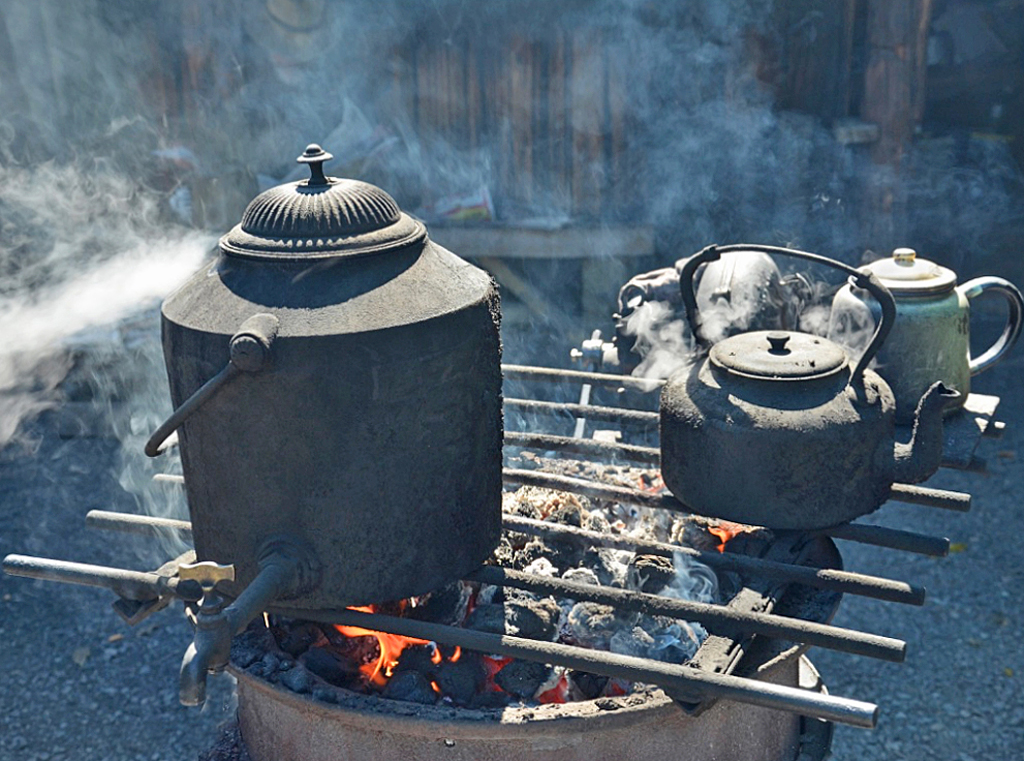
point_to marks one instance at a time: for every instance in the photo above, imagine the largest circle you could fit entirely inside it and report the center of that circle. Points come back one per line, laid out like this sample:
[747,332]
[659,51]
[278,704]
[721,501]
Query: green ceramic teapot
[930,339]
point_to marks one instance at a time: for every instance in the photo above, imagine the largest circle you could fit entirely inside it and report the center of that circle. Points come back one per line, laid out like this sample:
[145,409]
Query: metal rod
[923,495]
[837,581]
[679,680]
[845,582]
[133,585]
[891,538]
[606,380]
[134,524]
[621,494]
[549,442]
[723,619]
[591,412]
[877,535]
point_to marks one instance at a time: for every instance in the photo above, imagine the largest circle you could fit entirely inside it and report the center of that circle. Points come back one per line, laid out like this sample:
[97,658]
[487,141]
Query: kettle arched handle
[866,280]
[1011,331]
[249,351]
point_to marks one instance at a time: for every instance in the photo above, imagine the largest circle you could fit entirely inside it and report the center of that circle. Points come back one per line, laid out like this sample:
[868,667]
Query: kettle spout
[921,457]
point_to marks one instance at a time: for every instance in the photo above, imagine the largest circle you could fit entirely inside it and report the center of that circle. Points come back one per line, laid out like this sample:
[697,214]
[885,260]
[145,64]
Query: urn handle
[250,353]
[865,280]
[1011,331]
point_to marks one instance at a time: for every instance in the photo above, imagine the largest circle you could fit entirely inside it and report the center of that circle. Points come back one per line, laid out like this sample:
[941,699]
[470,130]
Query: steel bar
[679,680]
[590,447]
[923,495]
[606,380]
[133,585]
[622,494]
[891,538]
[591,412]
[845,582]
[134,524]
[864,534]
[722,619]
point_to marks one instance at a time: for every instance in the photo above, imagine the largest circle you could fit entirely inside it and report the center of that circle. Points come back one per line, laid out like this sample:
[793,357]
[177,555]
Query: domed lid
[904,273]
[319,218]
[778,355]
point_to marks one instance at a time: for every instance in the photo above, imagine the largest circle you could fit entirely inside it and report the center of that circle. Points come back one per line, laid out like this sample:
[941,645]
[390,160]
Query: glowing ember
[493,665]
[390,645]
[557,694]
[726,530]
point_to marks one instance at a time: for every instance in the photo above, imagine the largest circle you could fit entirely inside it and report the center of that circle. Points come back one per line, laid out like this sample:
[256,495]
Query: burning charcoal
[692,531]
[297,680]
[595,521]
[593,625]
[541,567]
[487,618]
[526,616]
[460,680]
[410,686]
[243,654]
[504,553]
[632,641]
[329,666]
[569,512]
[608,564]
[534,550]
[581,575]
[649,573]
[672,641]
[444,606]
[586,686]
[421,658]
[522,679]
[298,638]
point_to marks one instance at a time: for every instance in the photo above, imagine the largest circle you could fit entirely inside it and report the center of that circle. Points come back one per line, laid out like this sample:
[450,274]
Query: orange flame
[390,645]
[726,530]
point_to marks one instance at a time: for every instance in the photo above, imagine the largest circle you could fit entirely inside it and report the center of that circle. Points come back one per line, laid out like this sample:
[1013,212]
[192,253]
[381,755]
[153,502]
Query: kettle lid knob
[778,340]
[904,256]
[315,156]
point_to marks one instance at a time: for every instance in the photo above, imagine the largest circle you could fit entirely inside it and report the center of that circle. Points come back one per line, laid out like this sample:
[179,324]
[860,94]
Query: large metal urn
[337,382]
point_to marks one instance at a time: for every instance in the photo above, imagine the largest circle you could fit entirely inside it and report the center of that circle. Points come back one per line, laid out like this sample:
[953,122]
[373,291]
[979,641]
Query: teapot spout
[921,457]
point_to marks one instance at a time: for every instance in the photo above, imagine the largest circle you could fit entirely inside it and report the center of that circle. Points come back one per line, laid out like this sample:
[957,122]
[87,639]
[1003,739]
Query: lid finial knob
[904,256]
[315,156]
[778,341]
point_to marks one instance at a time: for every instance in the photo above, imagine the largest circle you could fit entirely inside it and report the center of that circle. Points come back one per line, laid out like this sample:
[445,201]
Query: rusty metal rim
[511,722]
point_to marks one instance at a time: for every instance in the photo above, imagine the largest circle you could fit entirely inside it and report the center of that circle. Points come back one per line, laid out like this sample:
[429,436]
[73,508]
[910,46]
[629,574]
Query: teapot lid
[778,355]
[905,273]
[320,218]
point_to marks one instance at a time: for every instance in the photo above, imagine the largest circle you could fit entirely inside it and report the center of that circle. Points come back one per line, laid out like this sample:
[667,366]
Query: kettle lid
[905,273]
[320,218]
[778,355]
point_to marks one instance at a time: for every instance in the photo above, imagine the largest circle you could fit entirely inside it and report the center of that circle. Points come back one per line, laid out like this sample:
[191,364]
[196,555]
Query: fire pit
[340,452]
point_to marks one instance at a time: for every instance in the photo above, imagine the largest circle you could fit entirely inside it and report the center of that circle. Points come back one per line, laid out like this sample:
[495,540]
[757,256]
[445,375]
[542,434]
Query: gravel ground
[78,684]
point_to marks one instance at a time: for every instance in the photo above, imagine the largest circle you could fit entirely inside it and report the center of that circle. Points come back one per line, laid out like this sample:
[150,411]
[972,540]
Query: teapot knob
[778,341]
[904,256]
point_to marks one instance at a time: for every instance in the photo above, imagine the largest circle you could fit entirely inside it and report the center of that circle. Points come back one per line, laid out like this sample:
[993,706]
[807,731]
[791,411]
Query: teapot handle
[865,280]
[1011,331]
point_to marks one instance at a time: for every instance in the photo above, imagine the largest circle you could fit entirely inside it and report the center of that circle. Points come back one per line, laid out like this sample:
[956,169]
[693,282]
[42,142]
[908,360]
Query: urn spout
[921,457]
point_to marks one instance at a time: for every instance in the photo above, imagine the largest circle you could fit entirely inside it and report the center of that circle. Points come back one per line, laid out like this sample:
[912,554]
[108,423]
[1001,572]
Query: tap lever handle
[207,573]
